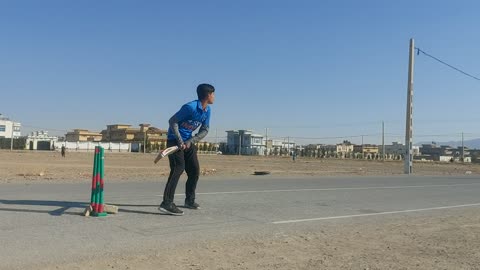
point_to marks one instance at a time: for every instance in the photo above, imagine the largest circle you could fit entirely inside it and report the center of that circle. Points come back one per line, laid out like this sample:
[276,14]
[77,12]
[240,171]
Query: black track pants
[182,161]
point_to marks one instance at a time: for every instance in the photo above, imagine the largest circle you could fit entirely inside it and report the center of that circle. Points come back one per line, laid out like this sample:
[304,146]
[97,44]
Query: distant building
[40,140]
[83,135]
[366,149]
[120,133]
[153,135]
[475,155]
[9,128]
[434,152]
[457,155]
[344,148]
[125,133]
[276,147]
[245,142]
[398,149]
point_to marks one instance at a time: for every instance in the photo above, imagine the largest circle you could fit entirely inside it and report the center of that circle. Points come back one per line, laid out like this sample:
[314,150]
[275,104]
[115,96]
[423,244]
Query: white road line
[324,189]
[376,214]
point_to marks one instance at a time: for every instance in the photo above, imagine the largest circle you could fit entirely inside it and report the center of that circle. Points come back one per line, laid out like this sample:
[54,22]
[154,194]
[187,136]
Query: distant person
[294,155]
[63,150]
[181,126]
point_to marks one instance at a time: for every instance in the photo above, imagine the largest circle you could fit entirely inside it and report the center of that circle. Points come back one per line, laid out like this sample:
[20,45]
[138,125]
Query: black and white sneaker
[191,205]
[170,209]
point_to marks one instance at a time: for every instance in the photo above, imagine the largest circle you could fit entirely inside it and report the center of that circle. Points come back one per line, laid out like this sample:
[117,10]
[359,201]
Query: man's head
[206,92]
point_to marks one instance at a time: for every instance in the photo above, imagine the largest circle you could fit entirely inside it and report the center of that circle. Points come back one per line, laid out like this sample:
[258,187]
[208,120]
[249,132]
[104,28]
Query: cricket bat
[165,152]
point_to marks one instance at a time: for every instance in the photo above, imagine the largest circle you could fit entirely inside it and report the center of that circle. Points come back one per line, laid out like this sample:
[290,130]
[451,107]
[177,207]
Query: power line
[435,58]
[325,138]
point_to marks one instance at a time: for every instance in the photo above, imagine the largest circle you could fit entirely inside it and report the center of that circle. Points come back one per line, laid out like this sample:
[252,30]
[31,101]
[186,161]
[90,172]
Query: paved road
[42,222]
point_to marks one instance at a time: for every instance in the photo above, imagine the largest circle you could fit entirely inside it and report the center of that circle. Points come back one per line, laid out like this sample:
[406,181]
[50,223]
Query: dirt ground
[427,241]
[28,166]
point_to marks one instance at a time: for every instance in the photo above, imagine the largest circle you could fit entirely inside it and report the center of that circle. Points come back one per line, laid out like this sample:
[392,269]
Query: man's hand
[185,146]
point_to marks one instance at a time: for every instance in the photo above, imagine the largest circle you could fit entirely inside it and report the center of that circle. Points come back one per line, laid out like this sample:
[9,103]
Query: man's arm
[199,136]
[173,122]
[184,113]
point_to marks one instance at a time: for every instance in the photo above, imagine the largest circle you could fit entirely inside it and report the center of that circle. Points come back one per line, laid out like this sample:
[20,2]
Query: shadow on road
[64,206]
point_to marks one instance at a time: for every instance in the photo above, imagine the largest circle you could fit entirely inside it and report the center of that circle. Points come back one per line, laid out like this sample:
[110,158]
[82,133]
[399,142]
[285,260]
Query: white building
[40,140]
[9,128]
[245,142]
[345,147]
[289,145]
[275,147]
[398,149]
[90,146]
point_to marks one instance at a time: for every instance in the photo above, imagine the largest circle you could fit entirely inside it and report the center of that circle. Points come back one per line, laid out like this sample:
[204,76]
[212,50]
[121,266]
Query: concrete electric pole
[409,120]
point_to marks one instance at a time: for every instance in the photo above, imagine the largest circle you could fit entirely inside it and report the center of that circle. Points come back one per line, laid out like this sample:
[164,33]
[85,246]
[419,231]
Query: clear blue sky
[304,69]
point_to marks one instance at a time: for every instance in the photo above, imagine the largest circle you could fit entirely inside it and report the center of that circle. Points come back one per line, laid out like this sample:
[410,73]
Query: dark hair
[203,90]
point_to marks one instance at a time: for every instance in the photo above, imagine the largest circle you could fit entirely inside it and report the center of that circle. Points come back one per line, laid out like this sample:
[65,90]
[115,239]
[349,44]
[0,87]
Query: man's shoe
[170,209]
[191,205]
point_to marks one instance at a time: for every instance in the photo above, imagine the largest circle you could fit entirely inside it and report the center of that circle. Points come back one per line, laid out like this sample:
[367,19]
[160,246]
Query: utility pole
[266,140]
[363,155]
[463,151]
[383,140]
[11,138]
[408,160]
[144,141]
[239,143]
[288,147]
[216,142]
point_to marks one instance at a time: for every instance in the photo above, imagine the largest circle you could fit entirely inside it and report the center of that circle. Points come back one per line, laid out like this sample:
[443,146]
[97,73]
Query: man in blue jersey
[191,116]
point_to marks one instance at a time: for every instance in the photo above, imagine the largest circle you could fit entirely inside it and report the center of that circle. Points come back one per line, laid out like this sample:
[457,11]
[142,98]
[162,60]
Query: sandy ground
[28,166]
[425,241]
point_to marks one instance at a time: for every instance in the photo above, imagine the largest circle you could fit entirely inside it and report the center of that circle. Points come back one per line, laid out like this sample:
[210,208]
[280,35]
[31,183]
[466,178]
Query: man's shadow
[64,206]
